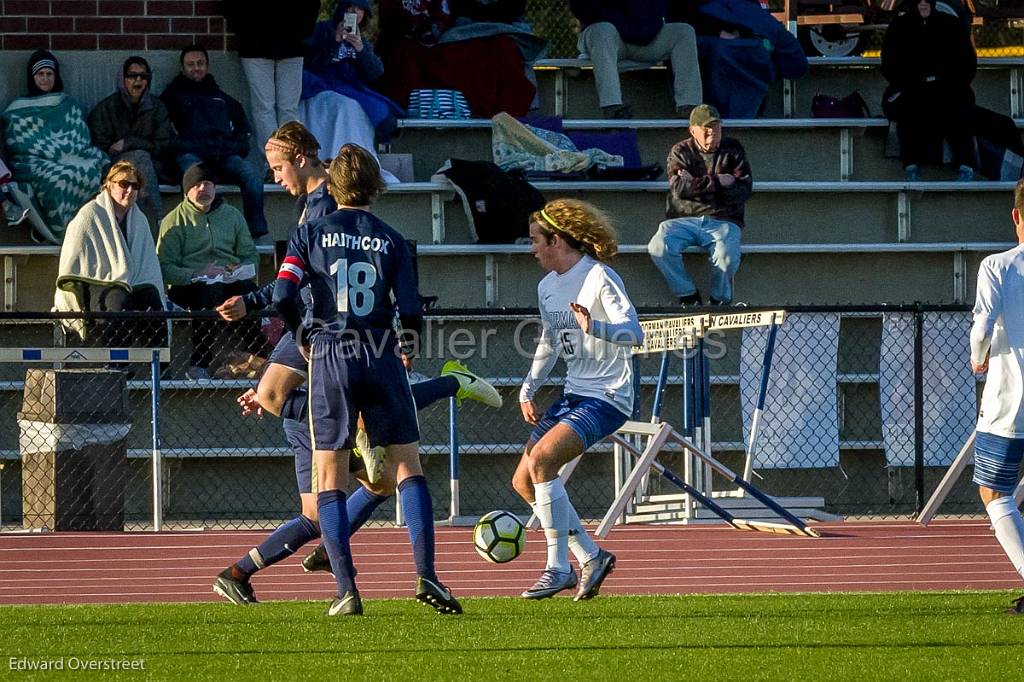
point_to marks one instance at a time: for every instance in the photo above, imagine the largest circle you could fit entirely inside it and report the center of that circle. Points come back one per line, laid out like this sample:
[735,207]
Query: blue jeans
[719,238]
[235,169]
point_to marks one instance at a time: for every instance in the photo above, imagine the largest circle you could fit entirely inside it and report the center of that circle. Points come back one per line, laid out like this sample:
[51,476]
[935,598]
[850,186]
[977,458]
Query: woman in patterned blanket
[48,145]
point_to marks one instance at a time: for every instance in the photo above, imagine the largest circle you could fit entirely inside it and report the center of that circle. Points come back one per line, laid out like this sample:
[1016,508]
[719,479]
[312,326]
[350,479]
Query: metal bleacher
[831,220]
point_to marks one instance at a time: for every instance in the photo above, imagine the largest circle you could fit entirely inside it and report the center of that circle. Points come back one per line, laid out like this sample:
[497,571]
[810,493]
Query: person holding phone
[339,106]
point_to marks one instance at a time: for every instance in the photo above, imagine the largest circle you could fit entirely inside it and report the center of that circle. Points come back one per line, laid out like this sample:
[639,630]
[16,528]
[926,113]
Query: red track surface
[180,567]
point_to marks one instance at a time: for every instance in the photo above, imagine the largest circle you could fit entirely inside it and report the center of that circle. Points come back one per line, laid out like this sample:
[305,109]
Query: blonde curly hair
[583,226]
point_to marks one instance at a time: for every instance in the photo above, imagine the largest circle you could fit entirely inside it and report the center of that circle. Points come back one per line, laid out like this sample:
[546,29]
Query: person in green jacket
[206,255]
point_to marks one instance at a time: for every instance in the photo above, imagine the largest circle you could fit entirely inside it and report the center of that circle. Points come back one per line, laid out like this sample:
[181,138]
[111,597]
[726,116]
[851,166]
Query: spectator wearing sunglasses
[108,263]
[133,125]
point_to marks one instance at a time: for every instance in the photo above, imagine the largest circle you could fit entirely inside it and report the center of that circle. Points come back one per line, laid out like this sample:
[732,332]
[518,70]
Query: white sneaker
[550,583]
[470,385]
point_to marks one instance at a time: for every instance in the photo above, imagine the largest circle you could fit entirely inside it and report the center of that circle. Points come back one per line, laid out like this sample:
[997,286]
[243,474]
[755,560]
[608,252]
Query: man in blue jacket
[212,129]
[615,30]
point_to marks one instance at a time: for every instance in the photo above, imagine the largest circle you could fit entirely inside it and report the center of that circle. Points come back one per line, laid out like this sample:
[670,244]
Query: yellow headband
[549,221]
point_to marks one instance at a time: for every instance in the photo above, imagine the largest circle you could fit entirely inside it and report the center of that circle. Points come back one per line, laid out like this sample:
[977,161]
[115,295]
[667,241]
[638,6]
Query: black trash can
[73,439]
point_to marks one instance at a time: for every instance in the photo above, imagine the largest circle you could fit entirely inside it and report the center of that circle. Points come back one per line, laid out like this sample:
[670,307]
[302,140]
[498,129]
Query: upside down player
[587,318]
[292,153]
[359,271]
[997,346]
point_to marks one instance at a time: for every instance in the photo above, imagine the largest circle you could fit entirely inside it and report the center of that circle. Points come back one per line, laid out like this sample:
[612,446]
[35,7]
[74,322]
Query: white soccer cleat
[470,385]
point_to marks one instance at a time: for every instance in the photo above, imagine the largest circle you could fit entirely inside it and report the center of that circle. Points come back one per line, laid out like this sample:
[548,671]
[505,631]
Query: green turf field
[895,636]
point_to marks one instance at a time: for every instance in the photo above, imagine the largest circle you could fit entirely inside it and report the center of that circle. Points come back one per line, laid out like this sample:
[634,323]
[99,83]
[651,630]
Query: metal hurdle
[766,318]
[949,479]
[151,356]
[686,334]
[660,434]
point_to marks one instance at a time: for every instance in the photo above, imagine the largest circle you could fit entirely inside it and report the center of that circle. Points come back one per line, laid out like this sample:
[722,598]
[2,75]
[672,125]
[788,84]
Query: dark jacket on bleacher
[209,122]
[700,194]
[146,127]
[638,21]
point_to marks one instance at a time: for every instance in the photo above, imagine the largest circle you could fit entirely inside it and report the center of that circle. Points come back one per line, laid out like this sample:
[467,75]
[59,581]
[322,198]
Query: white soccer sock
[554,517]
[581,544]
[1009,527]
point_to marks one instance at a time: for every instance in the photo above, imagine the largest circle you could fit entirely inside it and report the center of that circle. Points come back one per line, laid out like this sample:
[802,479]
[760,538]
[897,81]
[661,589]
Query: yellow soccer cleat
[471,386]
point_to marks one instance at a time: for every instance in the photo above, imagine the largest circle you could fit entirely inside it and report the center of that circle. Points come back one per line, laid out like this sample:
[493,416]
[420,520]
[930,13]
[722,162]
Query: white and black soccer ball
[499,536]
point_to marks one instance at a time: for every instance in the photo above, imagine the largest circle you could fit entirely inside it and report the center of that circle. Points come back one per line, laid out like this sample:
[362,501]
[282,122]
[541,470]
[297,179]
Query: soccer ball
[499,537]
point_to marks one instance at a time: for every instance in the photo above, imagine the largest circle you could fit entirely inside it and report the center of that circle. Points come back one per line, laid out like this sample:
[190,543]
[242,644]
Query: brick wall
[111,24]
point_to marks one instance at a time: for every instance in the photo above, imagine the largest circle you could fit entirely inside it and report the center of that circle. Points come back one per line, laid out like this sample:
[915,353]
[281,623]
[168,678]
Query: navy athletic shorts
[591,418]
[348,378]
[286,353]
[297,434]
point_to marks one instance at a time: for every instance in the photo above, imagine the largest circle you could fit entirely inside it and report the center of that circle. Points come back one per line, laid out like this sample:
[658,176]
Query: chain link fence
[865,409]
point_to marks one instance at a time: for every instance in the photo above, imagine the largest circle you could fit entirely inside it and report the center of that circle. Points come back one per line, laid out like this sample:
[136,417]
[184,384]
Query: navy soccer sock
[427,392]
[296,405]
[361,505]
[419,517]
[334,527]
[282,543]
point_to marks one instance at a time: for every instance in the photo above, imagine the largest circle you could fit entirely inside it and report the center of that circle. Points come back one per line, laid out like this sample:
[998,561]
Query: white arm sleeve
[987,309]
[623,326]
[544,359]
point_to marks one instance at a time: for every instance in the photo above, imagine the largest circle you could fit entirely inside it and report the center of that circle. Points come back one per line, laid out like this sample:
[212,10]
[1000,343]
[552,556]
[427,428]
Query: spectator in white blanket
[108,263]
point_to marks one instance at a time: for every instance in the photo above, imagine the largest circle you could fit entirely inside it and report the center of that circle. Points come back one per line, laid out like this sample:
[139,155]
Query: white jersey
[599,363]
[999,331]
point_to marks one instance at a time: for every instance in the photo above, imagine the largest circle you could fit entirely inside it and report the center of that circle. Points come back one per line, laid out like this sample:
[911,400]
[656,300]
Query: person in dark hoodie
[270,49]
[133,125]
[929,61]
[212,129]
[615,30]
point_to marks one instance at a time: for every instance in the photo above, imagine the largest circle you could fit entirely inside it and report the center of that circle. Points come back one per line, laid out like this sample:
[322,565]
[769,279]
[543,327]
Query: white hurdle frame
[151,356]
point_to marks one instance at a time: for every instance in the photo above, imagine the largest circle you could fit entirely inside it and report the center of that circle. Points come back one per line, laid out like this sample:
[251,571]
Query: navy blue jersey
[359,272]
[316,204]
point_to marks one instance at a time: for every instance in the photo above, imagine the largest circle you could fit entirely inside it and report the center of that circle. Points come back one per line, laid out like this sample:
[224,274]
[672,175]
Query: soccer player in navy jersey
[292,154]
[359,272]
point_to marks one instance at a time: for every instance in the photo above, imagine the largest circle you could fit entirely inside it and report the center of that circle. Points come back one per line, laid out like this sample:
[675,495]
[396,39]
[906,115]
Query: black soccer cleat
[436,595]
[1017,609]
[234,590]
[317,560]
[348,604]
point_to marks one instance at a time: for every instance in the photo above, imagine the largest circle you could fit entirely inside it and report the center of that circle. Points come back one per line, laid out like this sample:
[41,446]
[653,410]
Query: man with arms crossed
[997,346]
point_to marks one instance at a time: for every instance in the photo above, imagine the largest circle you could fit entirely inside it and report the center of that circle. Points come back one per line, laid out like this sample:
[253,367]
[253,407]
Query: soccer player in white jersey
[588,320]
[997,346]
